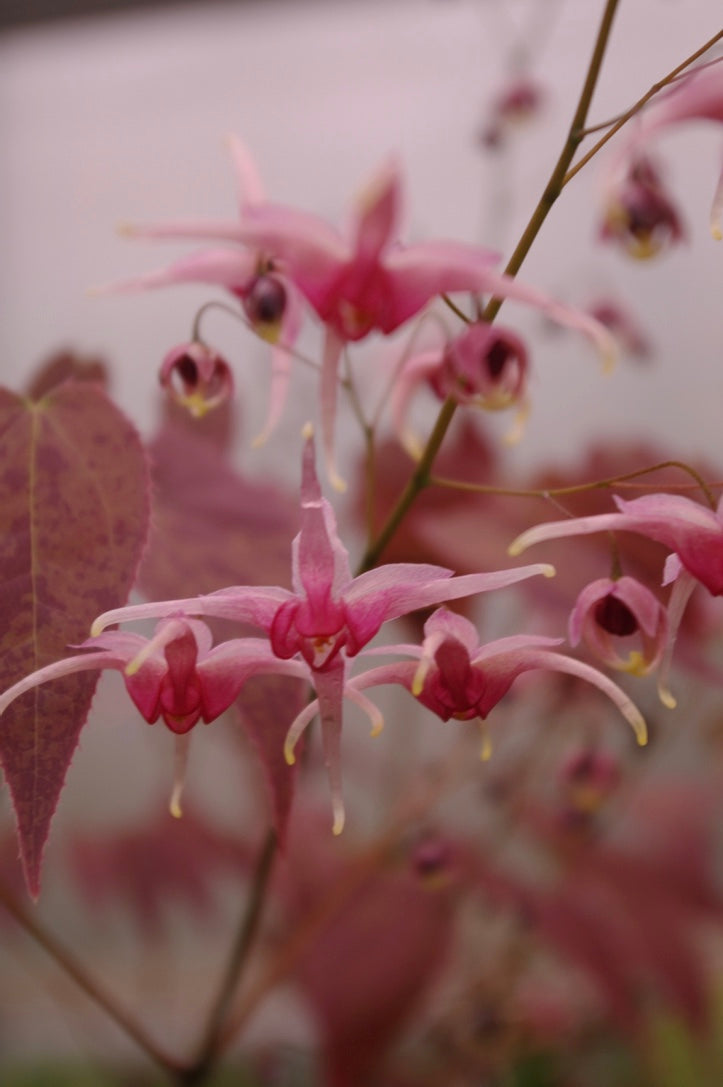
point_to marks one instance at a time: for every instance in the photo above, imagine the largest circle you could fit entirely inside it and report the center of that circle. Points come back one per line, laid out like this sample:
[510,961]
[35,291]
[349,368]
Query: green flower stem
[577,488]
[420,478]
[617,124]
[92,988]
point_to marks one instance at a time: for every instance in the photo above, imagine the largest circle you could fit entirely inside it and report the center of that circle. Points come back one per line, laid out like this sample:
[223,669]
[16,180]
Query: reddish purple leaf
[165,860]
[366,970]
[64,365]
[268,705]
[211,527]
[73,520]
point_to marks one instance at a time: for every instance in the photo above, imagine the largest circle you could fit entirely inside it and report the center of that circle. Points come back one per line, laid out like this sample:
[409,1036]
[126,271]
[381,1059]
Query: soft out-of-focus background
[122,116]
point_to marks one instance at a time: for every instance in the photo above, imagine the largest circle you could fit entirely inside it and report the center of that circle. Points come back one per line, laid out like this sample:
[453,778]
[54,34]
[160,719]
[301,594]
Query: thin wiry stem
[246,933]
[625,117]
[576,488]
[421,476]
[85,981]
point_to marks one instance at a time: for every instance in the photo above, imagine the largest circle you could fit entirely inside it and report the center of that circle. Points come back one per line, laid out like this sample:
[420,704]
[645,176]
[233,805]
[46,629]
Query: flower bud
[264,304]
[485,366]
[196,377]
[607,612]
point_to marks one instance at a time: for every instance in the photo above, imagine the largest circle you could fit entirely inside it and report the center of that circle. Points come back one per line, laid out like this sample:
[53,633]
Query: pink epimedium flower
[369,282]
[177,675]
[609,613]
[639,214]
[196,377]
[693,533]
[634,186]
[485,367]
[456,677]
[269,300]
[328,616]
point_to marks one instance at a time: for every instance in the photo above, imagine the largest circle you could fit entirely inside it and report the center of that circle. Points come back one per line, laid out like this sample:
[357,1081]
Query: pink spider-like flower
[196,377]
[456,677]
[693,533]
[270,302]
[369,282]
[639,212]
[328,617]
[177,675]
[357,284]
[607,611]
[485,367]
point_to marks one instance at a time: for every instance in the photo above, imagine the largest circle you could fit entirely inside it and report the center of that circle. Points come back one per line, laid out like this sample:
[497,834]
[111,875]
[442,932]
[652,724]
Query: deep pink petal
[81,663]
[420,272]
[241,603]
[320,561]
[231,268]
[378,214]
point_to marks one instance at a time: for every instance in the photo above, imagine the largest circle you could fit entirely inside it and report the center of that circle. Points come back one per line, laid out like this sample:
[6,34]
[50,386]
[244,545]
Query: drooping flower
[607,612]
[634,187]
[485,367]
[328,616]
[196,377]
[456,677]
[369,282]
[693,533]
[177,675]
[270,302]
[639,214]
[623,325]
[520,100]
[690,530]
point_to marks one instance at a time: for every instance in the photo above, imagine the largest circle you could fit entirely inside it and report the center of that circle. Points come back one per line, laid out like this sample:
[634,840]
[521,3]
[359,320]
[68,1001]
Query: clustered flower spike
[356,283]
[315,629]
[456,677]
[639,212]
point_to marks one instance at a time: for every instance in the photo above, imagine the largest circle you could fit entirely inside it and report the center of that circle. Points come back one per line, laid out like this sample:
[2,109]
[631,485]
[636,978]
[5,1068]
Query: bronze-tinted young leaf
[73,521]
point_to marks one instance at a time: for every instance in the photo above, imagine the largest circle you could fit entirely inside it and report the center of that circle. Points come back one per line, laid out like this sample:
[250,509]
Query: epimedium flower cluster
[357,283]
[312,631]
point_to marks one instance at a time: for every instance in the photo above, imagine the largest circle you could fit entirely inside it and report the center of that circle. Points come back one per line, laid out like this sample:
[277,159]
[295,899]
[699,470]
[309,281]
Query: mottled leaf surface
[73,521]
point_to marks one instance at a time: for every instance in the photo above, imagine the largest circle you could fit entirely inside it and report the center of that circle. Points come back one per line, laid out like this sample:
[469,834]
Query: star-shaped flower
[316,628]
